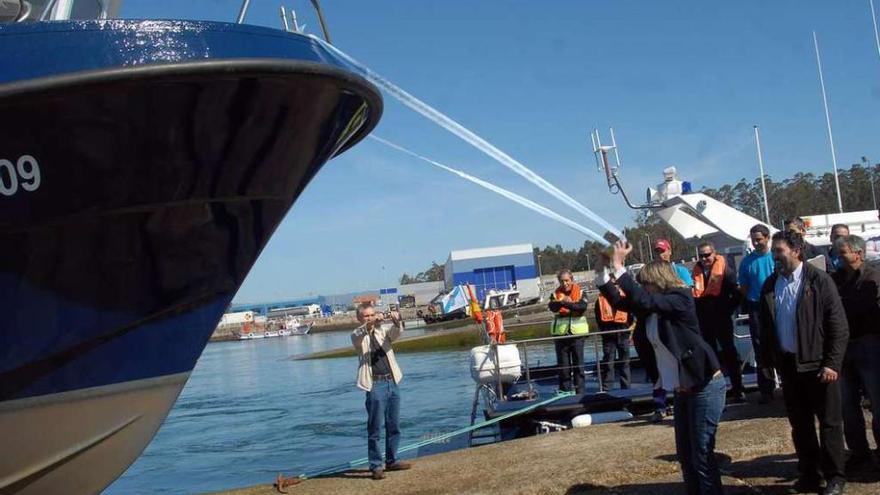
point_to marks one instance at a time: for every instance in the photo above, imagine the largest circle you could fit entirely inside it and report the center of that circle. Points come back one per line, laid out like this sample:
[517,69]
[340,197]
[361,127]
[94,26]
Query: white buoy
[600,418]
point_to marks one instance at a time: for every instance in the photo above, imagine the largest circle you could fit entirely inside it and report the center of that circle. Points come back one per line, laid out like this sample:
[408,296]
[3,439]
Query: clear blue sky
[681,82]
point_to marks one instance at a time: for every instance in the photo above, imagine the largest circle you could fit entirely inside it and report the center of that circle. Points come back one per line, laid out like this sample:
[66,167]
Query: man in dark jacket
[798,225]
[833,262]
[804,334]
[717,296]
[859,286]
[614,325]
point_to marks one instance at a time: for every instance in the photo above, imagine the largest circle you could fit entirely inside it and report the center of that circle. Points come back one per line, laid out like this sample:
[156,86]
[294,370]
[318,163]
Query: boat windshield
[57,10]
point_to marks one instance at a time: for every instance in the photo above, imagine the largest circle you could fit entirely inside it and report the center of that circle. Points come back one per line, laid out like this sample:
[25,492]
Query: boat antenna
[284,20]
[49,5]
[600,151]
[243,11]
[828,121]
[321,20]
[296,26]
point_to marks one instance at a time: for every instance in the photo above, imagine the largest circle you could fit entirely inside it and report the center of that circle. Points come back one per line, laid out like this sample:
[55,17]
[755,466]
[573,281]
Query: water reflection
[249,412]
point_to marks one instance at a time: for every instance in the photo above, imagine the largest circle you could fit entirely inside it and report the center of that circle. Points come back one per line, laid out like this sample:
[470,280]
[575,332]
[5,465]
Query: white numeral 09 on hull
[24,174]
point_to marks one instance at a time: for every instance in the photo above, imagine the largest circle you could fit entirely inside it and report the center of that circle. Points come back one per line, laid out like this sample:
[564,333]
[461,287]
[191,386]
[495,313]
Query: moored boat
[143,167]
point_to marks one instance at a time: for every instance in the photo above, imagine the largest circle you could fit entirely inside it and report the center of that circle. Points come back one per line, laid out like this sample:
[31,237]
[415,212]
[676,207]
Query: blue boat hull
[140,179]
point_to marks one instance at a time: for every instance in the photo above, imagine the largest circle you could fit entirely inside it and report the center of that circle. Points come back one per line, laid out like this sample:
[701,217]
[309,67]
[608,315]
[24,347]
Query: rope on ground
[440,438]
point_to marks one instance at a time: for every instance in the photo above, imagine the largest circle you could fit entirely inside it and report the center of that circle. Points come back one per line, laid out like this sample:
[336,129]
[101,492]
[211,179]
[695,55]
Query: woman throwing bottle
[686,364]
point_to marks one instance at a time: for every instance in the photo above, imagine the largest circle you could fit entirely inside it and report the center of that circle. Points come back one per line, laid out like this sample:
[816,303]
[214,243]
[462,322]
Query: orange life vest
[574,294]
[716,277]
[609,314]
[495,326]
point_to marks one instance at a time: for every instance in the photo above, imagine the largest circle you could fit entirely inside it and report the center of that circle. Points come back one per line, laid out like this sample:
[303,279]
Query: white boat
[295,327]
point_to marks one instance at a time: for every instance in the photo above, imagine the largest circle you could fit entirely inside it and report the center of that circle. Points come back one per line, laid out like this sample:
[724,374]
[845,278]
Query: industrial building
[423,292]
[500,268]
[263,309]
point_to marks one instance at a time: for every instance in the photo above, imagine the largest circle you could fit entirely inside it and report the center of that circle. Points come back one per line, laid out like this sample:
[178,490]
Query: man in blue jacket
[754,270]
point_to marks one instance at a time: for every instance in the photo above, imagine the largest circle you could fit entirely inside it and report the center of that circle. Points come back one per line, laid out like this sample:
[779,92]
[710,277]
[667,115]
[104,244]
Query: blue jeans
[697,415]
[861,372]
[765,385]
[383,405]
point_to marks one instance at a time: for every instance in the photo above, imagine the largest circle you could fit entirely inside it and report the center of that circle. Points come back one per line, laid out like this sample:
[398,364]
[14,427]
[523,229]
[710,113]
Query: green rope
[445,436]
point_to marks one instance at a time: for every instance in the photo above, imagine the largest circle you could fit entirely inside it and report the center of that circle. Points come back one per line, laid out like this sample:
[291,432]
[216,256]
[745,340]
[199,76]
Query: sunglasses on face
[705,255]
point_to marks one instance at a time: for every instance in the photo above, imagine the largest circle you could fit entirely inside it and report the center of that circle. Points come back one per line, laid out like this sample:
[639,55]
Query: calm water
[248,412]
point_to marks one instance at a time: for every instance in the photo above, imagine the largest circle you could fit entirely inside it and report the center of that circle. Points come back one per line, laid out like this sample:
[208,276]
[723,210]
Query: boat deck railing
[594,339]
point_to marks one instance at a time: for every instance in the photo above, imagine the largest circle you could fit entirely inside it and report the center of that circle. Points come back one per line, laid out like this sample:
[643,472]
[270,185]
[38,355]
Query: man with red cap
[663,249]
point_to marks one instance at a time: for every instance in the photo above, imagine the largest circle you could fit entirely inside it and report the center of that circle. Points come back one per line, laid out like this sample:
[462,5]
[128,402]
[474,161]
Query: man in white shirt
[804,333]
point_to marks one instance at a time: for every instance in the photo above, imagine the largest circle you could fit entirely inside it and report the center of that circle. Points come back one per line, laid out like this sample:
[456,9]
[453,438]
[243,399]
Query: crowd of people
[813,329]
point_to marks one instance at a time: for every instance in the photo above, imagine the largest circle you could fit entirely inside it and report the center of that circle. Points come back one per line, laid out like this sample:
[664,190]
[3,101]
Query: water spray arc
[499,190]
[471,138]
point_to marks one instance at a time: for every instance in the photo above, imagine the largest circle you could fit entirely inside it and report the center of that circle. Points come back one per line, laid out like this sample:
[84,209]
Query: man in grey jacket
[378,376]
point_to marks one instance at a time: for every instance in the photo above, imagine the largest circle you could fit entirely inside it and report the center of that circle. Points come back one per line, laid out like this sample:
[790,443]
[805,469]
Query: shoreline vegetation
[461,338]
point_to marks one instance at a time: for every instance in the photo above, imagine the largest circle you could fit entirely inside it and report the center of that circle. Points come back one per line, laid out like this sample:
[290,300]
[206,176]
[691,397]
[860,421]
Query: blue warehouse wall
[468,265]
[499,272]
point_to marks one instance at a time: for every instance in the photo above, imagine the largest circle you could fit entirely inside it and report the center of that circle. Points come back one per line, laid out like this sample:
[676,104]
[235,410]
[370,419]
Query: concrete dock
[636,457]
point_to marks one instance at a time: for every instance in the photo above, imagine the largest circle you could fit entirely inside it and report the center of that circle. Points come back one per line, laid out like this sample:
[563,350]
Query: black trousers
[806,399]
[718,333]
[615,357]
[570,359]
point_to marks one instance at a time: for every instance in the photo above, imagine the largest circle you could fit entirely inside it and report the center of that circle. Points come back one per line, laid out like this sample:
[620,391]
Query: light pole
[828,122]
[867,164]
[761,169]
[540,272]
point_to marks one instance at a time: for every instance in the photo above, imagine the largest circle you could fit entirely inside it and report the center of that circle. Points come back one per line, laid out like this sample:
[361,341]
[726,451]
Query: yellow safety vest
[570,325]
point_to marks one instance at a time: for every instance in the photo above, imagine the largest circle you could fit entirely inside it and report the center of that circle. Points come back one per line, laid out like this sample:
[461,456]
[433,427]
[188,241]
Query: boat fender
[599,418]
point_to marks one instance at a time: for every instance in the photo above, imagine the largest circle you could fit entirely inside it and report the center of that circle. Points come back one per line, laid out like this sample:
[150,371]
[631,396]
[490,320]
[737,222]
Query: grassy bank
[460,339]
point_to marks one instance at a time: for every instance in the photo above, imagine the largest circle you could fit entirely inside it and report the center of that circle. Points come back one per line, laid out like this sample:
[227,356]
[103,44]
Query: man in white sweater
[378,376]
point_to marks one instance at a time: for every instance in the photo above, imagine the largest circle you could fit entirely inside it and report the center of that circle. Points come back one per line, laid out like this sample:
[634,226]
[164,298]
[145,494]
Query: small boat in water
[144,165]
[290,326]
[295,327]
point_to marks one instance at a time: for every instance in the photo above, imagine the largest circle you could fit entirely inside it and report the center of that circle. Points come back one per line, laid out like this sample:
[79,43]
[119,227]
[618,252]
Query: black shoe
[766,398]
[807,484]
[737,398]
[657,417]
[835,487]
[858,461]
[398,466]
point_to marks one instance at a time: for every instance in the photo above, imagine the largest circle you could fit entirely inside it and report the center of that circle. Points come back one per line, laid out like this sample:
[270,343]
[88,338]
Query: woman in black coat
[686,364]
